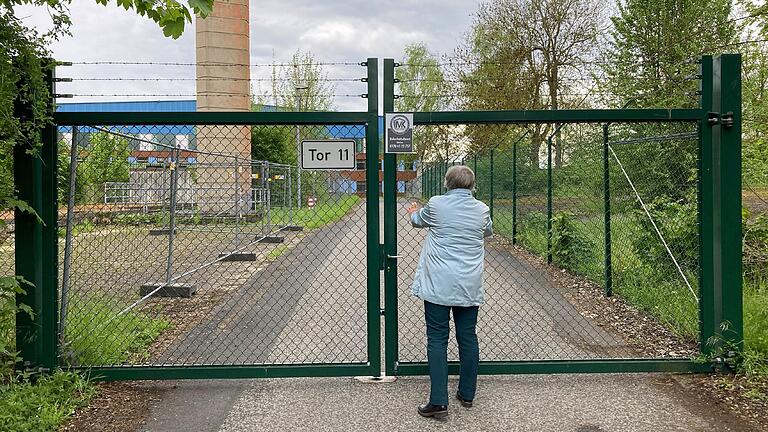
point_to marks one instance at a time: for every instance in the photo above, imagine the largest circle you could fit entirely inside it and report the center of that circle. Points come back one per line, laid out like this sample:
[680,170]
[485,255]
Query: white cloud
[334,30]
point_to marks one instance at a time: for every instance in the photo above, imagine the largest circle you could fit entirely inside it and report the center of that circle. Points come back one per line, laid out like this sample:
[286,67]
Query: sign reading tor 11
[328,155]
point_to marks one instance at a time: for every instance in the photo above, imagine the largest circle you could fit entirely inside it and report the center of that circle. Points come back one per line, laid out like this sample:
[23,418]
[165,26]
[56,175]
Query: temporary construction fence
[636,203]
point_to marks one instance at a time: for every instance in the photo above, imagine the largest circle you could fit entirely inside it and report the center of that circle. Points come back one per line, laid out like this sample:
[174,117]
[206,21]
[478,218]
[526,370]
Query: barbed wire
[742,43]
[479,80]
[215,79]
[213,64]
[446,95]
[755,15]
[361,95]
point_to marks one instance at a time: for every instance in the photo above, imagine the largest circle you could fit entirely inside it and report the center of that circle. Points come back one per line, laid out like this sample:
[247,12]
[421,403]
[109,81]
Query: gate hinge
[726,120]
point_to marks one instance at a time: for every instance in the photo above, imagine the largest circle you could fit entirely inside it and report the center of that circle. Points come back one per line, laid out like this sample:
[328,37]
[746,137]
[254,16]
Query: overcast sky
[334,30]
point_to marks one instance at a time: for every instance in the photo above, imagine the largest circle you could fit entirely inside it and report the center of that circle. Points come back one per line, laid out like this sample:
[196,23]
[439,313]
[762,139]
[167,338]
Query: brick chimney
[223,73]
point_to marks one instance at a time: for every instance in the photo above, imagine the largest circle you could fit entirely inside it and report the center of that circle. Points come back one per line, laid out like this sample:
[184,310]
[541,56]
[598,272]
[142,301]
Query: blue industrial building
[183,136]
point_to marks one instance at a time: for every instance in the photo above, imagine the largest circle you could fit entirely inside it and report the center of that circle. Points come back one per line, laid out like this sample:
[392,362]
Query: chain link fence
[178,249]
[568,203]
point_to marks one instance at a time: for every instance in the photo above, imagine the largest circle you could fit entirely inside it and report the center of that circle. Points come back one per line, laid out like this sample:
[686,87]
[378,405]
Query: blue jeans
[465,319]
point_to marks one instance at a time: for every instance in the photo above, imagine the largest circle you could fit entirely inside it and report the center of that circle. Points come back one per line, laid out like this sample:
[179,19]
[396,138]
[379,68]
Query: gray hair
[459,177]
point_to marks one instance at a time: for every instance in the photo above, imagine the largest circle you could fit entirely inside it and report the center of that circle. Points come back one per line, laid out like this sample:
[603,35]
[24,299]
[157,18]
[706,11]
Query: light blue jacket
[450,269]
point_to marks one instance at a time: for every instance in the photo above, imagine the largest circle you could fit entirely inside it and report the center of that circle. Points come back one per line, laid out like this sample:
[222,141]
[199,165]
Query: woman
[449,278]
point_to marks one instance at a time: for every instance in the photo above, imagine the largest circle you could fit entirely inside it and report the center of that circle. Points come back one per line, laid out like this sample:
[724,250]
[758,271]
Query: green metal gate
[195,261]
[570,234]
[173,224]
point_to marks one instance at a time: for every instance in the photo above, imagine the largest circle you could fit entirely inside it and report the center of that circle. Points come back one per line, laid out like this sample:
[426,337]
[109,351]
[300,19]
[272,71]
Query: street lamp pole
[299,88]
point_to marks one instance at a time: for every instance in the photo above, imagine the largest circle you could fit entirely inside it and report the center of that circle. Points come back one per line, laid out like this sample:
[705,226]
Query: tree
[273,144]
[652,55]
[528,54]
[654,47]
[300,85]
[755,95]
[422,87]
[170,15]
[106,161]
[22,69]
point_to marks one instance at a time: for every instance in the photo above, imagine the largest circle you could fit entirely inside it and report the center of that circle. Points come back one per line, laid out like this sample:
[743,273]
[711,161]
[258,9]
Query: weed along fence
[199,262]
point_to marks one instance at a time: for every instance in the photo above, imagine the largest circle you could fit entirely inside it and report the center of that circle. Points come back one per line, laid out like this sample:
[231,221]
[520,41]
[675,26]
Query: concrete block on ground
[294,228]
[170,290]
[239,256]
[272,239]
[162,231]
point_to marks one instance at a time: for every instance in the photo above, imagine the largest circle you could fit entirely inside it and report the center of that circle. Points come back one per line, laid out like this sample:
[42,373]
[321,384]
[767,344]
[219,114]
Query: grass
[656,289]
[327,211]
[44,404]
[96,337]
[756,329]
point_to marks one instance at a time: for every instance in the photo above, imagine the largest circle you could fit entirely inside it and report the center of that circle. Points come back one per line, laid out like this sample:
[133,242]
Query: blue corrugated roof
[129,106]
[335,131]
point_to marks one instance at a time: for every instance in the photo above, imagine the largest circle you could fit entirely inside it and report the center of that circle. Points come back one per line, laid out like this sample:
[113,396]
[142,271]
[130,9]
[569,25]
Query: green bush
[570,248]
[677,222]
[755,246]
[10,287]
[42,405]
[532,233]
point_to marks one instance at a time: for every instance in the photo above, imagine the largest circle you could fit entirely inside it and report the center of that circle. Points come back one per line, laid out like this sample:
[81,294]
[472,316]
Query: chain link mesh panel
[540,311]
[186,251]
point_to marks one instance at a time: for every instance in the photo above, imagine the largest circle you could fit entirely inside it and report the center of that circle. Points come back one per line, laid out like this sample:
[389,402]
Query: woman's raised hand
[413,208]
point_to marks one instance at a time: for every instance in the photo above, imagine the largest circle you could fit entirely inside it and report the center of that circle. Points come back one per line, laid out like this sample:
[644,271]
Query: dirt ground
[118,407]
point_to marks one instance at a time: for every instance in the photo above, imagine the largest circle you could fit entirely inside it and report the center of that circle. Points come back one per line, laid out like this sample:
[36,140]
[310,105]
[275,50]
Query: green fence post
[372,219]
[429,182]
[720,205]
[390,233]
[514,192]
[730,177]
[491,191]
[706,213]
[432,187]
[50,215]
[36,244]
[549,200]
[607,216]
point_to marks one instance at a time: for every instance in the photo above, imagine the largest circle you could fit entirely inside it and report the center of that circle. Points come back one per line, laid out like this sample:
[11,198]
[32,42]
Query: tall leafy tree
[654,47]
[755,95]
[106,161]
[423,87]
[300,85]
[528,54]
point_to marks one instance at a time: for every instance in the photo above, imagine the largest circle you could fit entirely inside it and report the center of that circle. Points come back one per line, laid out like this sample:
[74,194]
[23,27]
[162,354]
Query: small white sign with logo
[328,154]
[399,133]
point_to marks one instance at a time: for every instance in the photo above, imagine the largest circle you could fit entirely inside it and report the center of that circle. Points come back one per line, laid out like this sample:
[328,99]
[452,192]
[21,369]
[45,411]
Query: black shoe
[466,403]
[436,411]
